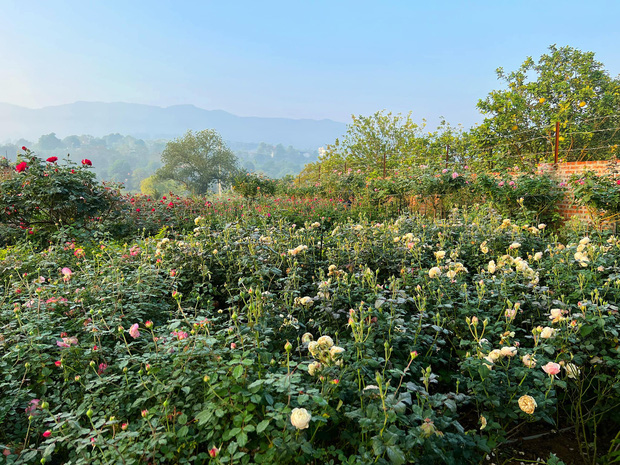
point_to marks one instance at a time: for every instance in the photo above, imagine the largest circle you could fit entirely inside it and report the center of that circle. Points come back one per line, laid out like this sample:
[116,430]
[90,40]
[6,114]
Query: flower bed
[300,337]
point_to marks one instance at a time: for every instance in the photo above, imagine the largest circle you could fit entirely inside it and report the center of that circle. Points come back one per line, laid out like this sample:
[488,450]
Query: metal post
[383,165]
[447,153]
[345,167]
[557,141]
[319,172]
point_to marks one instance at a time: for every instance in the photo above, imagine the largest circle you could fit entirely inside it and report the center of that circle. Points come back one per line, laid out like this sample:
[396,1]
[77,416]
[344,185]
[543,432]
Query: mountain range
[152,122]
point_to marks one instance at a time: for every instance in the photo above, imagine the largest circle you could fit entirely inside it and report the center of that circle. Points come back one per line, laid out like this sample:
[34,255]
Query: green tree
[49,142]
[157,187]
[565,85]
[198,161]
[372,139]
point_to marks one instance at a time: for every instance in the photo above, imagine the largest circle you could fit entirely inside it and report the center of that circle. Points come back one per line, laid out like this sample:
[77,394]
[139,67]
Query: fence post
[447,154]
[384,165]
[557,142]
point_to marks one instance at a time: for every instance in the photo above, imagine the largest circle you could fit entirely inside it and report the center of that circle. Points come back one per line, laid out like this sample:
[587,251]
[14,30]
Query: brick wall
[563,172]
[5,173]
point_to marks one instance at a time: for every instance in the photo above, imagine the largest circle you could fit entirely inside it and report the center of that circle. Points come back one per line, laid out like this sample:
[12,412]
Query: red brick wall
[563,172]
[5,173]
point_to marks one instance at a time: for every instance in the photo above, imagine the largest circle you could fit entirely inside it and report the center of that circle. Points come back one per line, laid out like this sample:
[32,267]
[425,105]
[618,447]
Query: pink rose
[32,406]
[551,368]
[133,331]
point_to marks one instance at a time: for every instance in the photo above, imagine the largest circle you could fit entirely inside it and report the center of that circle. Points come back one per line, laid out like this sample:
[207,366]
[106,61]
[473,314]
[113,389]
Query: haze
[318,59]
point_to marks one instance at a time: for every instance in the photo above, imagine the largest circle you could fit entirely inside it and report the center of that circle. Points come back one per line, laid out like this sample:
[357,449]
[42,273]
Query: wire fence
[550,143]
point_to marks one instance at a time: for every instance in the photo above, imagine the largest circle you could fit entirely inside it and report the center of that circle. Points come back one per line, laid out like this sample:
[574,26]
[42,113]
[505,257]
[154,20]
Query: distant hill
[151,122]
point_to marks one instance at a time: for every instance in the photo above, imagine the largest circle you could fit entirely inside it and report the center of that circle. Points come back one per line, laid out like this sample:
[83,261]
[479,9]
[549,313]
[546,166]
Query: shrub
[43,196]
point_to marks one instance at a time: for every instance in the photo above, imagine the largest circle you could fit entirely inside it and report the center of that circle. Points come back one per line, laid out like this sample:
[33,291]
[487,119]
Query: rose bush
[299,336]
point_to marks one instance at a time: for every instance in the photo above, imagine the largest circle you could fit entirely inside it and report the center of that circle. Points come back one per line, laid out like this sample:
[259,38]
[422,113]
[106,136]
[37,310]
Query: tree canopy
[565,86]
[198,161]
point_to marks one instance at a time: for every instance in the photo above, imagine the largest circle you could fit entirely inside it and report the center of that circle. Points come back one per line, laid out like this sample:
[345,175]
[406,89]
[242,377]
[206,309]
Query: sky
[296,59]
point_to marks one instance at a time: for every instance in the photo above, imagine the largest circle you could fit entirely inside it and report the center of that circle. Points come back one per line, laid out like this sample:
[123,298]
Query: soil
[537,447]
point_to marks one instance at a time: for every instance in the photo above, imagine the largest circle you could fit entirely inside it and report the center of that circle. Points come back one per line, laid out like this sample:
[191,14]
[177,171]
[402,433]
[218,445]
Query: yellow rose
[527,404]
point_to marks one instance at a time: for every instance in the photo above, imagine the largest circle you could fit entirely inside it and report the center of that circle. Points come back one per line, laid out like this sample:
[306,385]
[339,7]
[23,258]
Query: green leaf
[238,371]
[204,416]
[396,455]
[585,330]
[242,439]
[262,426]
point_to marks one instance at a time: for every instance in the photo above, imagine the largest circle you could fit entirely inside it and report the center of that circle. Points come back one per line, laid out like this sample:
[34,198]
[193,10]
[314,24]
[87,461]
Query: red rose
[24,148]
[138,210]
[52,159]
[21,167]
[86,161]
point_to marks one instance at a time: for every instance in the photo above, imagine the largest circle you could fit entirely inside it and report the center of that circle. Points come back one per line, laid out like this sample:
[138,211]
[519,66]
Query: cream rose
[300,418]
[434,272]
[325,342]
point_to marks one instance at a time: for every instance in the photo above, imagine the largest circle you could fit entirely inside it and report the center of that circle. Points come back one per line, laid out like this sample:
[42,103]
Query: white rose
[325,341]
[313,368]
[491,267]
[538,255]
[495,354]
[529,361]
[313,347]
[556,315]
[335,351]
[509,351]
[572,371]
[434,272]
[547,332]
[300,418]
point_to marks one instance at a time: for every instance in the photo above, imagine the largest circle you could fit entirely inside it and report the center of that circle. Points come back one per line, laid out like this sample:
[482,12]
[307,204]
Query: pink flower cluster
[180,335]
[67,342]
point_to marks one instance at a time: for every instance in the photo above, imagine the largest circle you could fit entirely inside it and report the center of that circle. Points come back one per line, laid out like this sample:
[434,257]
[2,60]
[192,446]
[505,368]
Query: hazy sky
[294,58]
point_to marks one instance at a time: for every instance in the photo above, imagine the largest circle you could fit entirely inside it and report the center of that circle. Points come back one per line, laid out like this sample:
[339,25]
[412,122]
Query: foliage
[567,86]
[600,192]
[529,197]
[182,346]
[371,140]
[155,187]
[253,185]
[198,161]
[45,197]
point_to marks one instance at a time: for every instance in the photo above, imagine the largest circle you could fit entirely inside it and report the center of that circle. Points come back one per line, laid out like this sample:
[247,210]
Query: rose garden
[433,316]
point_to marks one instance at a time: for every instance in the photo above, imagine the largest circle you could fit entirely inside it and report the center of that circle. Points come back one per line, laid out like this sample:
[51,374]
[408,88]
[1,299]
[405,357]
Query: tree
[198,161]
[566,86]
[371,140]
[49,142]
[156,188]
